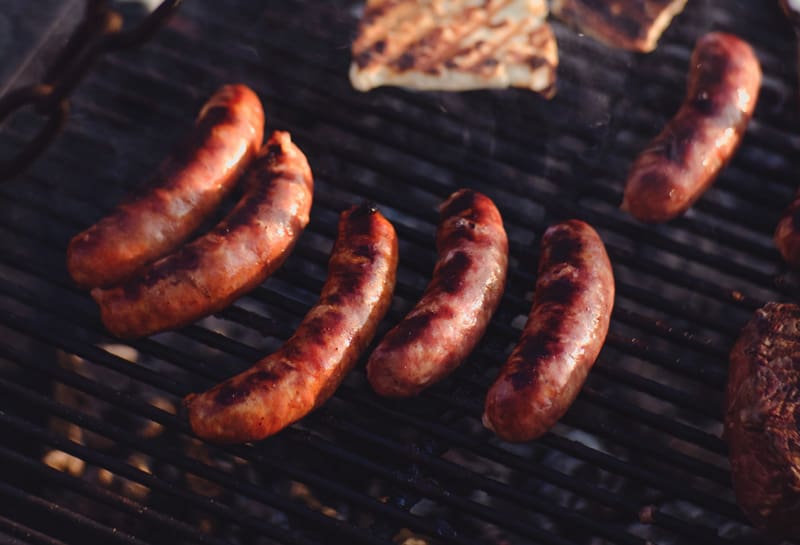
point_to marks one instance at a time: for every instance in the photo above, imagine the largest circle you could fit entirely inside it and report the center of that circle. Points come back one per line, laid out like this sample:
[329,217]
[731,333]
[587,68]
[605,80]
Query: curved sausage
[236,256]
[565,331]
[686,157]
[453,313]
[761,416]
[307,369]
[186,189]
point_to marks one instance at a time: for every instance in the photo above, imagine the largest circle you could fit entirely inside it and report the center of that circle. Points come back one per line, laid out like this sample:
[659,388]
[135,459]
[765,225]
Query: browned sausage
[566,329]
[787,233]
[186,189]
[307,369]
[453,313]
[237,255]
[685,159]
[761,418]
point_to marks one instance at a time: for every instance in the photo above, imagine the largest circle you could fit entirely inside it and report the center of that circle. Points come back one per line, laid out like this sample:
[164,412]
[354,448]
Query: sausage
[566,328]
[787,233]
[455,309]
[761,419]
[207,274]
[304,372]
[682,162]
[185,190]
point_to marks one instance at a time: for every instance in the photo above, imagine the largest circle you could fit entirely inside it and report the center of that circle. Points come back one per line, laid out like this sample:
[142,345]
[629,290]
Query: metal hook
[22,159]
[98,33]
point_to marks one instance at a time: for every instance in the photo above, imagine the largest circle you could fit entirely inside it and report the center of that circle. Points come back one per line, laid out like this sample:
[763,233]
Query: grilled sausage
[761,418]
[307,369]
[453,313]
[787,233]
[685,158]
[237,255]
[186,189]
[565,331]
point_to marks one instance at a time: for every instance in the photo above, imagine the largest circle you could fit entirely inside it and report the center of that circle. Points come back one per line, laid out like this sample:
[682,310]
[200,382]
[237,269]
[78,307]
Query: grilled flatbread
[635,25]
[455,45]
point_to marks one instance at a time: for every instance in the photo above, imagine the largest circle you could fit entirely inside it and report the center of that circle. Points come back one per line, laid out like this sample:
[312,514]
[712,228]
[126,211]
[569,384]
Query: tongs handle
[100,31]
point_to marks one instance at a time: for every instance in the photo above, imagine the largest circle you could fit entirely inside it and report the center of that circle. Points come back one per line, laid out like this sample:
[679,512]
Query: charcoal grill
[95,449]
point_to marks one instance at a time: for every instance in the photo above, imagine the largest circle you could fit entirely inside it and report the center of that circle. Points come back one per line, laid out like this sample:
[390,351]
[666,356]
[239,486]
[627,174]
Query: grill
[96,448]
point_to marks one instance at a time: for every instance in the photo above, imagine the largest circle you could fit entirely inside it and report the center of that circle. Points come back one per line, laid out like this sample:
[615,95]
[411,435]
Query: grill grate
[638,459]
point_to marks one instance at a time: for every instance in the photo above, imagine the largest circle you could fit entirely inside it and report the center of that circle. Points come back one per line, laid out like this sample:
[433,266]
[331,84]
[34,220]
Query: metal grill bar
[116,501]
[25,428]
[21,497]
[28,534]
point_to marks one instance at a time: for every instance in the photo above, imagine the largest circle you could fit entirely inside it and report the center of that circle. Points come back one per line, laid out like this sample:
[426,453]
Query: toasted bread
[455,45]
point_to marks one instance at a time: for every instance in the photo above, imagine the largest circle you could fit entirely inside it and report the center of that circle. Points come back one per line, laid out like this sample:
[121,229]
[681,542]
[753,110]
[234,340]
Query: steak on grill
[761,418]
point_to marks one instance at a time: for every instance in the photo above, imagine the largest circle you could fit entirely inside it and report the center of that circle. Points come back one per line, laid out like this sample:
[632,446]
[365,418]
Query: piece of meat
[787,233]
[565,331]
[209,273]
[185,190]
[453,313]
[762,416]
[635,25]
[686,157]
[307,369]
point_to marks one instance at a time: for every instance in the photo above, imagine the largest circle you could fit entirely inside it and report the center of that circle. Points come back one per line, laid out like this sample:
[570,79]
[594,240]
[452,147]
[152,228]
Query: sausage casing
[453,313]
[683,161]
[186,189]
[307,369]
[565,331]
[761,418]
[207,274]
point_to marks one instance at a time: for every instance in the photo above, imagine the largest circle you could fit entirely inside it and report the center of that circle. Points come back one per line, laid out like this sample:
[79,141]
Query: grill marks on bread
[455,45]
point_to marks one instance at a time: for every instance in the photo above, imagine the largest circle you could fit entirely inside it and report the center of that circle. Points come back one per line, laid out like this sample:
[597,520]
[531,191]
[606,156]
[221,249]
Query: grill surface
[638,458]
